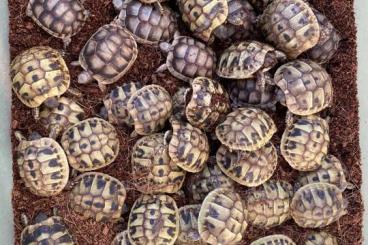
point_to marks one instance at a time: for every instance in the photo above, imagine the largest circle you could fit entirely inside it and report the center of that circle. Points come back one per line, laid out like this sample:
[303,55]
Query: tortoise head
[40,218]
[52,102]
[102,112]
[35,136]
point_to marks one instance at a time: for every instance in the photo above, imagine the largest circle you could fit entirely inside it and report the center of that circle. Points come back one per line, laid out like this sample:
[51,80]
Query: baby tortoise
[154,219]
[149,108]
[188,225]
[305,142]
[188,58]
[269,205]
[291,26]
[62,19]
[246,129]
[90,144]
[107,55]
[307,87]
[248,168]
[153,167]
[222,217]
[188,146]
[274,240]
[122,239]
[42,164]
[98,196]
[321,238]
[317,205]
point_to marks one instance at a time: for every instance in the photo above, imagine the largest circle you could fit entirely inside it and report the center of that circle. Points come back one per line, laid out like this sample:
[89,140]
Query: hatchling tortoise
[42,164]
[66,114]
[98,196]
[115,104]
[90,144]
[208,103]
[45,230]
[317,205]
[246,129]
[107,55]
[269,204]
[152,166]
[203,17]
[188,58]
[121,239]
[307,87]
[248,168]
[291,26]
[188,146]
[222,217]
[149,108]
[304,143]
[62,19]
[321,238]
[274,240]
[147,24]
[154,220]
[188,225]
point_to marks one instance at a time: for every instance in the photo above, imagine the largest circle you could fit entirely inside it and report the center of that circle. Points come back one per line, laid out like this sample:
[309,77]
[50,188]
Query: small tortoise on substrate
[146,23]
[222,217]
[149,108]
[107,55]
[269,205]
[62,19]
[98,196]
[153,168]
[90,144]
[188,146]
[305,142]
[291,26]
[154,220]
[248,168]
[188,225]
[203,17]
[188,58]
[121,239]
[276,239]
[246,129]
[318,205]
[42,164]
[321,238]
[307,87]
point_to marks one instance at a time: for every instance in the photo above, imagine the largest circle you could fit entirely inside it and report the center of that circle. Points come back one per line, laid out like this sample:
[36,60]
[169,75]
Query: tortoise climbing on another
[122,239]
[321,238]
[188,225]
[274,240]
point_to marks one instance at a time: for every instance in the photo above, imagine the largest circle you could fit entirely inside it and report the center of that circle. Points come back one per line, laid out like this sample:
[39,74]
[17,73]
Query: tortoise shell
[98,196]
[305,142]
[121,239]
[246,129]
[307,86]
[222,217]
[149,108]
[291,26]
[154,219]
[90,144]
[188,225]
[38,74]
[317,205]
[274,240]
[321,238]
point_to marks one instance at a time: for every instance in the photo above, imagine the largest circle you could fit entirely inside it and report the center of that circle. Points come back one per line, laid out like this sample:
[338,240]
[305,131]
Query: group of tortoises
[175,151]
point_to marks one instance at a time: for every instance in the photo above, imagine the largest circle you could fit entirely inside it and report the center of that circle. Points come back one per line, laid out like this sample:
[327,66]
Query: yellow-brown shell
[276,239]
[121,238]
[188,225]
[321,238]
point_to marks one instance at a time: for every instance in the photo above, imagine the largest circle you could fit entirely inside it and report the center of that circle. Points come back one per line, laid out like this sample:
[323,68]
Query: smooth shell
[274,240]
[321,238]
[121,239]
[188,225]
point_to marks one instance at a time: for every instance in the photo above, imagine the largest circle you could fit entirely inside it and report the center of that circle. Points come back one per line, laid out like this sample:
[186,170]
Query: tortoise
[321,238]
[269,205]
[304,142]
[188,225]
[147,24]
[121,239]
[274,240]
[115,104]
[317,205]
[188,146]
[203,17]
[90,144]
[152,164]
[149,108]
[222,217]
[188,58]
[291,26]
[62,19]
[248,168]
[39,75]
[246,129]
[43,164]
[98,196]
[66,114]
[154,219]
[307,87]
[107,56]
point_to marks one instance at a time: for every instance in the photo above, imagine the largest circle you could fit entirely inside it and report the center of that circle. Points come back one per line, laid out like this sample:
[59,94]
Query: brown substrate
[343,126]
